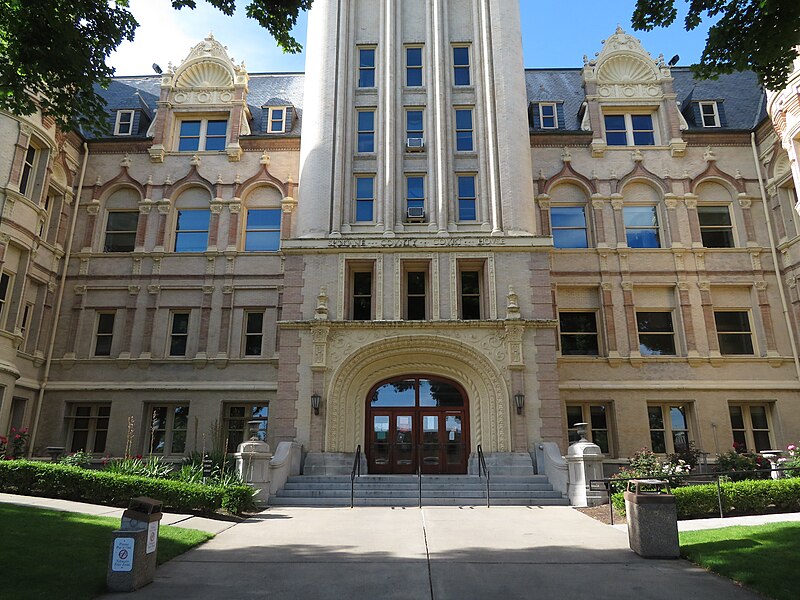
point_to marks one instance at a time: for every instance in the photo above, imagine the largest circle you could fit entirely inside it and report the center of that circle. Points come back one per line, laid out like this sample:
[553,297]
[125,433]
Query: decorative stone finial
[709,155]
[637,155]
[620,30]
[195,162]
[265,158]
[150,179]
[321,314]
[613,174]
[126,161]
[512,308]
[219,178]
[566,155]
[98,182]
[237,179]
[168,180]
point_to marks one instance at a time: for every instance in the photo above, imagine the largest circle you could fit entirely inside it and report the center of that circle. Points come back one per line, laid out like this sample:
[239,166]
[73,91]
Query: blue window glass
[415,129]
[190,136]
[461,66]
[464,130]
[263,230]
[547,115]
[641,226]
[191,231]
[366,131]
[569,227]
[414,67]
[415,191]
[276,120]
[466,198]
[365,198]
[216,134]
[616,133]
[366,67]
[643,130]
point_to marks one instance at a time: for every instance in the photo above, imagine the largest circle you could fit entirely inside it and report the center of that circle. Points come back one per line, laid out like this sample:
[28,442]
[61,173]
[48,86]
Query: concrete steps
[403,490]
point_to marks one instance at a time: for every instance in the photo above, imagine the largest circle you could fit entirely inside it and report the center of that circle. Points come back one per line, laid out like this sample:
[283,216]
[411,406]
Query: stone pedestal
[253,465]
[585,462]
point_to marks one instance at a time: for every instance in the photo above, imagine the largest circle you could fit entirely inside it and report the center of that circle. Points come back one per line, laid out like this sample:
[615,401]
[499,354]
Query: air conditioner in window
[415,213]
[415,144]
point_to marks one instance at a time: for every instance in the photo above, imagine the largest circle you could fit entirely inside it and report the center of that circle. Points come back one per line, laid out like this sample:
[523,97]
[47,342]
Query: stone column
[630,318]
[598,202]
[745,203]
[766,318]
[694,220]
[619,221]
[141,226]
[708,316]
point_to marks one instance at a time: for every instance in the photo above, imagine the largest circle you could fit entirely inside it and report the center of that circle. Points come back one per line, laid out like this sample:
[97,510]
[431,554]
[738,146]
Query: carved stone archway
[399,355]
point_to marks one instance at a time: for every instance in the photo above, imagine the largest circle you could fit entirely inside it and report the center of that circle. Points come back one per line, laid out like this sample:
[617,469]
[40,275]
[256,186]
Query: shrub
[153,466]
[752,496]
[792,461]
[690,456]
[77,459]
[74,483]
[645,464]
[743,461]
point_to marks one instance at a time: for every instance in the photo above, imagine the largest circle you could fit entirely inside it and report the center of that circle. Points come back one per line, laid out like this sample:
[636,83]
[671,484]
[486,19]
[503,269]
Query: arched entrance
[417,421]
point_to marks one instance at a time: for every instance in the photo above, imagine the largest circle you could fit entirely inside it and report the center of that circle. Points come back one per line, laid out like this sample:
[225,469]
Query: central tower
[417,301]
[415,120]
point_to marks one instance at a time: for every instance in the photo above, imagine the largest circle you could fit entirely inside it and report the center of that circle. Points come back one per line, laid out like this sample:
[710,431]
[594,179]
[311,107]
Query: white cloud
[165,35]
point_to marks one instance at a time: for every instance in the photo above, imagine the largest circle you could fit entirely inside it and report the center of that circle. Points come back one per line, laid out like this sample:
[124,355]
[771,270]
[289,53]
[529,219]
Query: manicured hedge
[754,496]
[74,483]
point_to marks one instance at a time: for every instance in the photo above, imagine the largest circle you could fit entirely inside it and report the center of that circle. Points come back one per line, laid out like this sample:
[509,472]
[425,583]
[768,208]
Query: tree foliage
[53,52]
[757,35]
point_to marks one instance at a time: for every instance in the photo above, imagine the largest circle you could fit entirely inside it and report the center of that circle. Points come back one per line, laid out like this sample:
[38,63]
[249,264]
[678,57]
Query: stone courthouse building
[418,246]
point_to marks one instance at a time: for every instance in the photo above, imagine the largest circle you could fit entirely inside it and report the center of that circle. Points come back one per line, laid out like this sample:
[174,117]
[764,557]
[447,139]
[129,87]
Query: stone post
[252,463]
[585,462]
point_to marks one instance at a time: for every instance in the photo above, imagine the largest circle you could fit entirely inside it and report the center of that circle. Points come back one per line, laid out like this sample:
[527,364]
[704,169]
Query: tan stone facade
[669,313]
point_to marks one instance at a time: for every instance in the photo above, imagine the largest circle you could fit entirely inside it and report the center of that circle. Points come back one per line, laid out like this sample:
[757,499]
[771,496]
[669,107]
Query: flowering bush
[791,462]
[735,460]
[19,439]
[77,459]
[646,464]
[3,446]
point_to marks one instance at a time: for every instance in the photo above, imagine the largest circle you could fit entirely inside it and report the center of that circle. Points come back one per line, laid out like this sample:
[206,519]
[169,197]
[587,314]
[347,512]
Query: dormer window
[709,114]
[124,124]
[203,134]
[276,123]
[629,130]
[548,116]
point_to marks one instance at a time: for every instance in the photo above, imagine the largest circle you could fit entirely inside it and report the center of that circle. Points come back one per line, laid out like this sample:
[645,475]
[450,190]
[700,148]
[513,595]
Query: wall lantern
[519,401]
[315,400]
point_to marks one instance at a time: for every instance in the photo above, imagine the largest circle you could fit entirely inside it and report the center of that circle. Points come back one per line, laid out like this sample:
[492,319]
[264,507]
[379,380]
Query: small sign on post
[206,465]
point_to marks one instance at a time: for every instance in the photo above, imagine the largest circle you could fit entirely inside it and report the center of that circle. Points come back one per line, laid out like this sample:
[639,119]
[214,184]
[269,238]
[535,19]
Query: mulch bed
[601,513]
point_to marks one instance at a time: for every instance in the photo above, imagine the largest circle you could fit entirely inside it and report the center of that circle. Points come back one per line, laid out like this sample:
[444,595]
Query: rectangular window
[656,333]
[578,334]
[253,333]
[415,197]
[168,426]
[470,287]
[87,427]
[461,66]
[568,224]
[365,198]
[277,120]
[263,230]
[361,295]
[415,128]
[733,332]
[28,169]
[629,130]
[179,334]
[191,230]
[596,418]
[750,425]
[716,228]
[243,421]
[104,334]
[121,231]
[710,114]
[414,66]
[366,131]
[669,428]
[464,130]
[467,210]
[416,293]
[124,124]
[548,116]
[203,134]
[5,284]
[641,226]
[366,67]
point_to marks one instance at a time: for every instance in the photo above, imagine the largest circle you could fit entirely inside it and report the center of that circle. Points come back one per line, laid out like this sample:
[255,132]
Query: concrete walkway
[437,553]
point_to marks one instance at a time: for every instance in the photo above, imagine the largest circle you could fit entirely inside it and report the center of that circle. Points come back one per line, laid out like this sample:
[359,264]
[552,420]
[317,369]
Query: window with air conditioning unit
[415,144]
[415,213]
[415,197]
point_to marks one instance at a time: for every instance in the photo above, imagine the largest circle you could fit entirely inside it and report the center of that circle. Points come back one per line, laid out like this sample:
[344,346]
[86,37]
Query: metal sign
[122,557]
[206,466]
[152,537]
[598,485]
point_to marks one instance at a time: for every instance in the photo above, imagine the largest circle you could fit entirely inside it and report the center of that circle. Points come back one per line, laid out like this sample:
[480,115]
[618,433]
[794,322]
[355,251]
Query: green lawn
[51,554]
[762,557]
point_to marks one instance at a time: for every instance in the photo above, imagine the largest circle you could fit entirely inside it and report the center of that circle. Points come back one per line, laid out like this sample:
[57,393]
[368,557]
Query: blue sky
[555,34]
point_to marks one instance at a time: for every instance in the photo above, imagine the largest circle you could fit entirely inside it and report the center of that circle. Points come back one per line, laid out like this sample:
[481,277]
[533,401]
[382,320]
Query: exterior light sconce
[519,402]
[315,400]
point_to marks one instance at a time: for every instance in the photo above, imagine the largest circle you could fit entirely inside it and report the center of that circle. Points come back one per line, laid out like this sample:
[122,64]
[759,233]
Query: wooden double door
[431,432]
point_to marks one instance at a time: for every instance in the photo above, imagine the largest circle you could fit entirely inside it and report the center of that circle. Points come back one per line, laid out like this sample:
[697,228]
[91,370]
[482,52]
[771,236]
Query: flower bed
[74,483]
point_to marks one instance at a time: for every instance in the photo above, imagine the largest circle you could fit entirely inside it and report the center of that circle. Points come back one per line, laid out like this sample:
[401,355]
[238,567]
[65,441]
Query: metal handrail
[607,484]
[356,469]
[419,474]
[482,467]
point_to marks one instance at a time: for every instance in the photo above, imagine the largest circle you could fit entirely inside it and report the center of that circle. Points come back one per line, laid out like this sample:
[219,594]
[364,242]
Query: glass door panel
[404,443]
[430,449]
[380,452]
[454,442]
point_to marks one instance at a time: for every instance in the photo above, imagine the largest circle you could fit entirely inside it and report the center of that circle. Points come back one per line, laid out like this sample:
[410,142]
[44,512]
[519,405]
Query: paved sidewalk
[177,520]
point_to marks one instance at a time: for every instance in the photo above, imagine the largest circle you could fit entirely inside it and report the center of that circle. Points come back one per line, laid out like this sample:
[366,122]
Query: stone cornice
[426,325]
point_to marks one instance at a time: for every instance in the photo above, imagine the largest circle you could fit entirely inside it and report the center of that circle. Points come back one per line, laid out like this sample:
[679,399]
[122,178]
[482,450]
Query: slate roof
[741,96]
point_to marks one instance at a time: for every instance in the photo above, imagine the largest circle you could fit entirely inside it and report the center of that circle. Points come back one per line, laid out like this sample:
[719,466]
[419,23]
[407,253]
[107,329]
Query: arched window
[262,231]
[641,216]
[714,211]
[568,217]
[192,220]
[122,220]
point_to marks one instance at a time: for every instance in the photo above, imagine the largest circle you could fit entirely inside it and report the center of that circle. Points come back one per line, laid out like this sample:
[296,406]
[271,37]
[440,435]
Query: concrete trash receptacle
[132,562]
[652,519]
